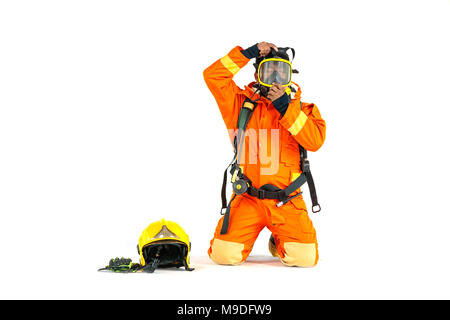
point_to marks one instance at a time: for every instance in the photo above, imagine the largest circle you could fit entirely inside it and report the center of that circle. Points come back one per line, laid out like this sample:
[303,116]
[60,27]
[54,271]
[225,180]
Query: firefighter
[270,157]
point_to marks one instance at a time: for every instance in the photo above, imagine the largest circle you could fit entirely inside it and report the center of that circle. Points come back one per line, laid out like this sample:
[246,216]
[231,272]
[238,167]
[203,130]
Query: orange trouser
[291,227]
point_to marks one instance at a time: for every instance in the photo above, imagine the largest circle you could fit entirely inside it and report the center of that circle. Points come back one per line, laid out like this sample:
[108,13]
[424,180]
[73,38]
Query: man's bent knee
[300,254]
[226,252]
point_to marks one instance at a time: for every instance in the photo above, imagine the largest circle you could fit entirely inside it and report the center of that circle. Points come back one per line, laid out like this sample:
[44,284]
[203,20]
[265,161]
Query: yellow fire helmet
[164,244]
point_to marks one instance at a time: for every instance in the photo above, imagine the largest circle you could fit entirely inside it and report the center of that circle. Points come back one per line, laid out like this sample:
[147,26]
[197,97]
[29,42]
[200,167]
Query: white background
[106,125]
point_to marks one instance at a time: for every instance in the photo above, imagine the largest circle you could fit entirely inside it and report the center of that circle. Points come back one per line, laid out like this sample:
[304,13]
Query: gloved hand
[259,50]
[280,100]
[264,48]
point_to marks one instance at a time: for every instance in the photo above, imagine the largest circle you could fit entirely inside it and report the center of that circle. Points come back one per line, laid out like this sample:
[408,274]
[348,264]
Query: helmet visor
[271,71]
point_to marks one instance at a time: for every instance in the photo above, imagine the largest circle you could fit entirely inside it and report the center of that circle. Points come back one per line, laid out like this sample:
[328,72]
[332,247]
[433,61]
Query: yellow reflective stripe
[295,175]
[298,124]
[248,105]
[230,65]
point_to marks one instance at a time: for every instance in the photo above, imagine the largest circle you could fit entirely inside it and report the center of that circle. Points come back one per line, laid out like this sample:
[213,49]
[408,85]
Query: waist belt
[265,192]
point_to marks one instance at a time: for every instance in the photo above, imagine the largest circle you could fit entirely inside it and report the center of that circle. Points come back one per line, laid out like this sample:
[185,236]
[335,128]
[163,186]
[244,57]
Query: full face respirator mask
[275,68]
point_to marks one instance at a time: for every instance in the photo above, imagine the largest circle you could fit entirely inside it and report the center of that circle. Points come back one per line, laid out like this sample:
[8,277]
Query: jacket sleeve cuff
[281,104]
[251,52]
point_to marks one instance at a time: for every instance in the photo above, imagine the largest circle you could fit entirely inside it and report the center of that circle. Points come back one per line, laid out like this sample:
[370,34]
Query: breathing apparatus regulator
[163,244]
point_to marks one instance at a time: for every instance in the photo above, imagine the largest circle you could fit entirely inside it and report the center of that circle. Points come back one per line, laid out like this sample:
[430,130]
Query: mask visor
[274,70]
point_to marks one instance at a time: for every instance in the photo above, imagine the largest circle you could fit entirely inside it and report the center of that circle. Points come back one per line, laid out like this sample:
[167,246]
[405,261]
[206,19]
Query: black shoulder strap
[245,113]
[223,193]
[226,218]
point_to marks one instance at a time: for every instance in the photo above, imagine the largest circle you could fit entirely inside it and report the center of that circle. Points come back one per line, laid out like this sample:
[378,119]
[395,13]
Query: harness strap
[226,218]
[306,169]
[223,194]
[297,183]
[244,117]
[312,192]
[261,193]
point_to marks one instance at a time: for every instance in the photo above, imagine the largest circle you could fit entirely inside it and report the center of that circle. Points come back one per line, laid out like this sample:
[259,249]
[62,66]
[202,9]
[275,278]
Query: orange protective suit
[268,133]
